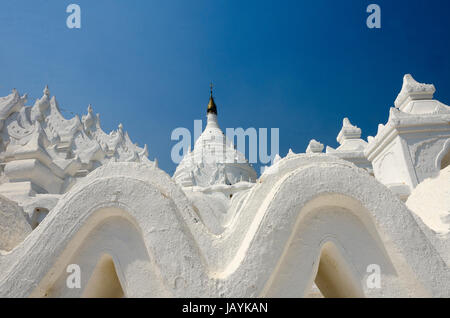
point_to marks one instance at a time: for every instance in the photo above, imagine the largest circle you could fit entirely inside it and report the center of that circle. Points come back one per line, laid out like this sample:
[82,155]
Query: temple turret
[415,142]
[351,146]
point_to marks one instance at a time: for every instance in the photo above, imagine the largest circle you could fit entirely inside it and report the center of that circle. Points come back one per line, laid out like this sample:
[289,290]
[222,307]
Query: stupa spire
[211,105]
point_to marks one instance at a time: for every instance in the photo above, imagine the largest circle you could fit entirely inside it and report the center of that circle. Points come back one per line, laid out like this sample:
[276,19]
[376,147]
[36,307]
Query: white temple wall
[114,262]
[427,151]
[411,158]
[333,202]
[135,232]
[36,172]
[391,165]
[14,227]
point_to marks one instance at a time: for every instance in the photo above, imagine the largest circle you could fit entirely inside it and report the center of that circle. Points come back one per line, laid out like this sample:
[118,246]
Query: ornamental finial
[46,91]
[211,105]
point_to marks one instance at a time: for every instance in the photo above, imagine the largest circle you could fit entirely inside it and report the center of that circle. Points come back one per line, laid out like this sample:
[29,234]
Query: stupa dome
[214,159]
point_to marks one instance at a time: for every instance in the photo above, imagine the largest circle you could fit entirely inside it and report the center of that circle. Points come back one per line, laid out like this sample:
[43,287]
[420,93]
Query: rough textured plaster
[246,257]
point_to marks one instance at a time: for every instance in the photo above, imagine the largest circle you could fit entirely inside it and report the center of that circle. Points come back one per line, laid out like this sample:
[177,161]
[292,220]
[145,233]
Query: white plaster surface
[213,161]
[261,252]
[309,226]
[13,225]
[431,202]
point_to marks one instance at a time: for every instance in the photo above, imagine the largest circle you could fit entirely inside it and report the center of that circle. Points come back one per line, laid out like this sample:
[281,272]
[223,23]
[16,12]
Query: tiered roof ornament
[44,153]
[351,145]
[416,137]
[314,147]
[348,132]
[413,90]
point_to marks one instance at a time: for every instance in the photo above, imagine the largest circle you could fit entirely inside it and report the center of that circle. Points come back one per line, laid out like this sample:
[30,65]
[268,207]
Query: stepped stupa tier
[214,159]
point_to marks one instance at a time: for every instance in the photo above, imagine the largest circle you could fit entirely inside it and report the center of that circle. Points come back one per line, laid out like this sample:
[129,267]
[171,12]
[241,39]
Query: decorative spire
[314,147]
[24,98]
[413,90]
[88,120]
[348,131]
[290,153]
[211,105]
[46,91]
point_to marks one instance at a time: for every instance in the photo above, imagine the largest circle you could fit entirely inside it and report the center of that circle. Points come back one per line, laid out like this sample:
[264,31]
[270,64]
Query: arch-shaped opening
[104,282]
[107,244]
[445,162]
[443,158]
[334,278]
[335,238]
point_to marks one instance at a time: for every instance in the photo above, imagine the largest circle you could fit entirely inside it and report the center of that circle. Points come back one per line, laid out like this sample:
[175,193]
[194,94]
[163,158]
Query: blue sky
[300,66]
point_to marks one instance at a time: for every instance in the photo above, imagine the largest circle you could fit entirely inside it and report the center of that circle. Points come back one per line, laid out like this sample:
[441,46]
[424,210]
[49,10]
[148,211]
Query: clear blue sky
[300,66]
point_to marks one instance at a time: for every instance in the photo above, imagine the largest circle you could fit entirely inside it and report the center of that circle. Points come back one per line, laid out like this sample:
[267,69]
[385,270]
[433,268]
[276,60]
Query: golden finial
[211,105]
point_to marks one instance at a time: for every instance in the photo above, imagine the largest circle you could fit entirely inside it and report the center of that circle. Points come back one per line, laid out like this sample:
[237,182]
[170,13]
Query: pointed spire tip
[212,108]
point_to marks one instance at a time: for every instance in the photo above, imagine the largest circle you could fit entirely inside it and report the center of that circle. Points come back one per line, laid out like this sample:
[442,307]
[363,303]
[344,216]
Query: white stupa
[214,160]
